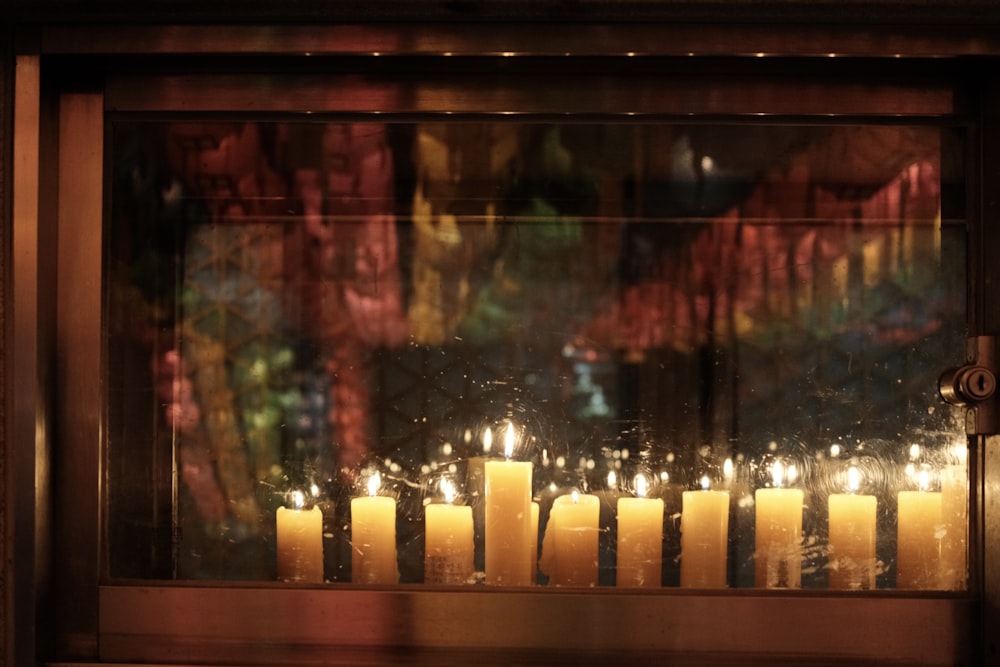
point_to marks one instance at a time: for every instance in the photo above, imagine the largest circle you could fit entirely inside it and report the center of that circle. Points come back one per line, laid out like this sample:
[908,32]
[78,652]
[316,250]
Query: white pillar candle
[955,521]
[569,548]
[640,540]
[299,542]
[373,537]
[852,537]
[448,545]
[704,537]
[918,564]
[778,547]
[508,519]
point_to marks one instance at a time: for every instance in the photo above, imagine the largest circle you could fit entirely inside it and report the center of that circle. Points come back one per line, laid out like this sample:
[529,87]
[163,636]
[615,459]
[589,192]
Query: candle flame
[924,480]
[576,497]
[705,482]
[508,441]
[777,473]
[488,440]
[727,469]
[640,486]
[834,450]
[448,490]
[612,480]
[853,479]
[298,499]
[374,482]
[914,451]
[792,473]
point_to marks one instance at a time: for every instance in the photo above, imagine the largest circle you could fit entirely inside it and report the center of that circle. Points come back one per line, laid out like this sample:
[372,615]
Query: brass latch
[973,386]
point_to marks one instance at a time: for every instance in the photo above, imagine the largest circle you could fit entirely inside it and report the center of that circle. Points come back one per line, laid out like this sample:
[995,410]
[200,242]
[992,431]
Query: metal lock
[973,386]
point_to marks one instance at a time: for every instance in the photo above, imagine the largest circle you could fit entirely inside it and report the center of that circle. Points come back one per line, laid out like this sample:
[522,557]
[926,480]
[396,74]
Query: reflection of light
[727,470]
[448,490]
[853,479]
[664,476]
[640,486]
[467,436]
[705,483]
[777,473]
[612,480]
[961,452]
[508,441]
[374,482]
[314,490]
[792,474]
[910,470]
[924,480]
[914,451]
[487,440]
[560,461]
[707,163]
[576,497]
[834,451]
[553,487]
[298,499]
[446,449]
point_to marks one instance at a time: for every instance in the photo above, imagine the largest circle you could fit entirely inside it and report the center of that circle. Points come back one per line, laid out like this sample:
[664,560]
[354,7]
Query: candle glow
[852,536]
[704,537]
[640,539]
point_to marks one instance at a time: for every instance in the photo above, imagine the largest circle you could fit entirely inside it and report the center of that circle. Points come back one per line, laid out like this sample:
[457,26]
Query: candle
[448,545]
[533,549]
[300,542]
[569,548]
[640,540]
[704,537]
[778,552]
[955,519]
[852,537]
[508,519]
[917,544]
[373,537]
[475,489]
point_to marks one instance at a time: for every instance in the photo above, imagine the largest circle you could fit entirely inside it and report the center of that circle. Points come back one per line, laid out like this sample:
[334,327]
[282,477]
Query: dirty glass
[741,325]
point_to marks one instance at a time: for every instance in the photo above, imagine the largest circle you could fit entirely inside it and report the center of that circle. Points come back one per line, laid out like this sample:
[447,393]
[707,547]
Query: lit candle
[569,548]
[373,537]
[704,537]
[300,542]
[955,519]
[917,544]
[852,537]
[640,540]
[448,547]
[508,519]
[778,523]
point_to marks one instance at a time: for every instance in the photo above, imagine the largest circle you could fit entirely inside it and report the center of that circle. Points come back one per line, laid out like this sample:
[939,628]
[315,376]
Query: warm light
[508,441]
[777,473]
[612,480]
[910,470]
[576,497]
[640,486]
[705,483]
[834,451]
[727,470]
[298,500]
[374,482]
[792,474]
[960,452]
[488,440]
[914,451]
[924,480]
[448,490]
[853,479]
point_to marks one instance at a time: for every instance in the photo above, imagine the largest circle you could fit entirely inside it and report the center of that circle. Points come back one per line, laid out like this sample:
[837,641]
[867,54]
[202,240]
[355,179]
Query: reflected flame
[640,486]
[705,483]
[778,473]
[448,490]
[374,482]
[488,440]
[834,451]
[914,451]
[298,499]
[853,479]
[727,470]
[792,474]
[924,480]
[612,480]
[508,441]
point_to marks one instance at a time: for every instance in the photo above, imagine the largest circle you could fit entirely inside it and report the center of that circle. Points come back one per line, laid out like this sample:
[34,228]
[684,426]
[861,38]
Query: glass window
[742,325]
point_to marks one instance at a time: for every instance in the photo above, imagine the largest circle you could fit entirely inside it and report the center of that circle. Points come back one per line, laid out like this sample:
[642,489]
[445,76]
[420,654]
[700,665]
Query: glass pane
[725,339]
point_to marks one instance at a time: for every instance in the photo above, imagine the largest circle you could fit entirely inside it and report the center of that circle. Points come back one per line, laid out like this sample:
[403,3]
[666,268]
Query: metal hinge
[973,386]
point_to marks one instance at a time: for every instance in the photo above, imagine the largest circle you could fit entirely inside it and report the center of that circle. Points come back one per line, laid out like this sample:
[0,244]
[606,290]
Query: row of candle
[569,555]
